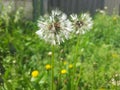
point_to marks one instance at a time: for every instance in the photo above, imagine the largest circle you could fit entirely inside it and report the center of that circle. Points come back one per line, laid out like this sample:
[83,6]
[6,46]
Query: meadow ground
[86,62]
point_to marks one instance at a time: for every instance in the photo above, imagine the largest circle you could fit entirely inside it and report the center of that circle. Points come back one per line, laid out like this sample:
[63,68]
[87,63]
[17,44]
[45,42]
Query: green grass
[97,59]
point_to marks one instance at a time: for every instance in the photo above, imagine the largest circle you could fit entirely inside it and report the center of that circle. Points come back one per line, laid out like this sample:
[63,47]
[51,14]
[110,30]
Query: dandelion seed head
[54,28]
[81,24]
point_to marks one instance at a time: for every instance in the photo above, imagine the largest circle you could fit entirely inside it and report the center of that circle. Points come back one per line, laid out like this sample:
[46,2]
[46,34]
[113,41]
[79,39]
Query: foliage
[22,52]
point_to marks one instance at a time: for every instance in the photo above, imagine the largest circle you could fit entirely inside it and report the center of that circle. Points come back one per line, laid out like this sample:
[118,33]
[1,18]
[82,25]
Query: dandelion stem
[116,85]
[52,62]
[75,61]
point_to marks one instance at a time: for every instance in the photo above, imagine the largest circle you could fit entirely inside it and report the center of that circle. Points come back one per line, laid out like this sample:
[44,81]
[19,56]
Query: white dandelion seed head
[82,24]
[54,28]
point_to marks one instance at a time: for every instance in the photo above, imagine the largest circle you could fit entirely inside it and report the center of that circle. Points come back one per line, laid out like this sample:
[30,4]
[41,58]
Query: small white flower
[49,53]
[116,80]
[54,28]
[81,24]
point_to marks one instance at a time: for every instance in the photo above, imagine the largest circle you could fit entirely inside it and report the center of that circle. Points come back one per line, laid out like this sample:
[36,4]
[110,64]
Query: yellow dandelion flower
[48,67]
[115,55]
[114,18]
[35,73]
[64,62]
[63,71]
[70,66]
[101,89]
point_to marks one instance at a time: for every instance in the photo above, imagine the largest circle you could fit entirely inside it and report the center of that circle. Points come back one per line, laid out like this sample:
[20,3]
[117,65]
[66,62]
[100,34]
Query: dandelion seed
[82,24]
[63,71]
[48,67]
[54,28]
[35,73]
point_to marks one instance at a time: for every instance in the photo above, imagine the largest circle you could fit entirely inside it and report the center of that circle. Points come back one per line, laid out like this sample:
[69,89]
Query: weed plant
[25,60]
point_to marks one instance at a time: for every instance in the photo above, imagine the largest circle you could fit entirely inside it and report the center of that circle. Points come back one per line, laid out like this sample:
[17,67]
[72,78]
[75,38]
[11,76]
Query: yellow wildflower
[114,18]
[115,55]
[65,62]
[35,73]
[70,66]
[101,89]
[63,71]
[48,66]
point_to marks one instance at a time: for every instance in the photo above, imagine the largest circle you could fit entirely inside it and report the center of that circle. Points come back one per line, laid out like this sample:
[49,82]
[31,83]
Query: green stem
[116,85]
[94,82]
[48,74]
[76,53]
[79,77]
[74,86]
[59,82]
[52,62]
